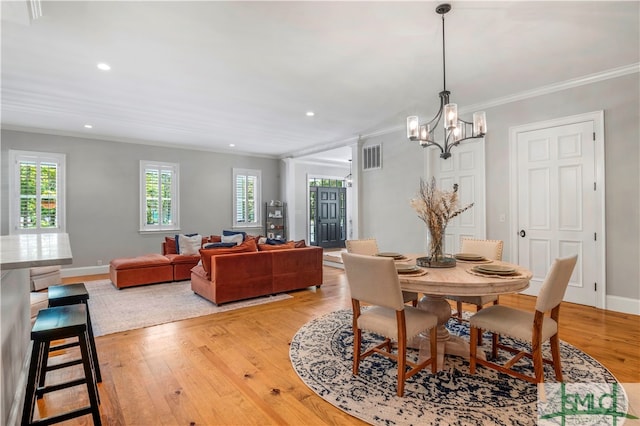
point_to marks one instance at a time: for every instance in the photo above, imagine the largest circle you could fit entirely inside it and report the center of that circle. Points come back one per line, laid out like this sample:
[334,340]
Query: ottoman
[140,270]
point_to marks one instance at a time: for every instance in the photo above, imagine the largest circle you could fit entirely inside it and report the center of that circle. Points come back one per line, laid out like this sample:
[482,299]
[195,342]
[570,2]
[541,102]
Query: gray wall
[385,193]
[102,184]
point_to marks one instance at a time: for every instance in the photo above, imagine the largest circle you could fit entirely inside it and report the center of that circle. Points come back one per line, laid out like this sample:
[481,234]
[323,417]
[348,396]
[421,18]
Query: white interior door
[466,168]
[557,205]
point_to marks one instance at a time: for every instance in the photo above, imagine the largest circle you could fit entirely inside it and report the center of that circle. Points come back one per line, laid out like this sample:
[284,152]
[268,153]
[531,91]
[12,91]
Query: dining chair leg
[538,366]
[555,353]
[473,350]
[357,338]
[459,309]
[402,364]
[478,309]
[495,339]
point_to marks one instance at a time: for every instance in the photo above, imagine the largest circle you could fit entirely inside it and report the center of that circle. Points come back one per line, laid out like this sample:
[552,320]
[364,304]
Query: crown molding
[544,90]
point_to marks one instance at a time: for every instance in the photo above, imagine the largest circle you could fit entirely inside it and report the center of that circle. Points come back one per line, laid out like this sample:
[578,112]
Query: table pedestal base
[447,344]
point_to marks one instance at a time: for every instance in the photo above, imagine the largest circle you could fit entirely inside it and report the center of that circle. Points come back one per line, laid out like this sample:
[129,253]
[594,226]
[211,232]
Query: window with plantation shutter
[247,198]
[37,203]
[159,203]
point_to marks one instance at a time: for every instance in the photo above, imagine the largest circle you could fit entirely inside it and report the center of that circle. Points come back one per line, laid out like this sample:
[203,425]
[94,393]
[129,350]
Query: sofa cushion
[170,245]
[146,260]
[215,239]
[285,246]
[206,254]
[180,258]
[300,244]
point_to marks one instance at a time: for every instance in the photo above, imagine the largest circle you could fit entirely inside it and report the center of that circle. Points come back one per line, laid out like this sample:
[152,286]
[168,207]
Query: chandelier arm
[432,143]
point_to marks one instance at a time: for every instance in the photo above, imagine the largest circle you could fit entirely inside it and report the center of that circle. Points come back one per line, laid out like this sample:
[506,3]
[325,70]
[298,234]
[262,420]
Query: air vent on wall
[372,157]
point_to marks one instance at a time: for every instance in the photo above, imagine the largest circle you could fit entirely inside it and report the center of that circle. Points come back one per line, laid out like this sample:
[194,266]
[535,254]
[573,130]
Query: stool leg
[32,378]
[92,343]
[92,389]
[43,361]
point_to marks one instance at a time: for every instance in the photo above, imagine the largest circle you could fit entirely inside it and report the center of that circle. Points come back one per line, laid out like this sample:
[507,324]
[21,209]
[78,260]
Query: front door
[558,205]
[330,216]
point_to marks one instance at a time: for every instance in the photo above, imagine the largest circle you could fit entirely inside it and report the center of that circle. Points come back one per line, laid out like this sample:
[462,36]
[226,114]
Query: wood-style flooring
[233,368]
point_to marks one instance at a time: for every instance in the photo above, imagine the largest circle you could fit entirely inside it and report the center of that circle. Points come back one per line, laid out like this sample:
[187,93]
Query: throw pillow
[300,244]
[275,242]
[235,238]
[266,247]
[218,245]
[228,233]
[215,239]
[177,240]
[189,245]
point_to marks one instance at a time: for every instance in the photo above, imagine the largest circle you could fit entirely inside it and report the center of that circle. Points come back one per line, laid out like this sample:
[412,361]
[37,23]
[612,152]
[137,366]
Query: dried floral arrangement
[436,208]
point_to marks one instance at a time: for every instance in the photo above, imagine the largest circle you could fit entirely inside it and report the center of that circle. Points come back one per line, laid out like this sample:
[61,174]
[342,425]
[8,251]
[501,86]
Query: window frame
[160,166]
[15,156]
[257,197]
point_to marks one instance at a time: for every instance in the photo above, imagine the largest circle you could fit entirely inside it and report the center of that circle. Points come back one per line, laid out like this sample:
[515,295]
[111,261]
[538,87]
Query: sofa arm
[296,268]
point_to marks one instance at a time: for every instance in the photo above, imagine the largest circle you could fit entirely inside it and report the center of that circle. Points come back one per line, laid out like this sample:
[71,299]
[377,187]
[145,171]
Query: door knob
[522,233]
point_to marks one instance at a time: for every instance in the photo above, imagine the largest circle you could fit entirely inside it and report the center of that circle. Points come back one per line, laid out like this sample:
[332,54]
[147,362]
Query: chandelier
[455,129]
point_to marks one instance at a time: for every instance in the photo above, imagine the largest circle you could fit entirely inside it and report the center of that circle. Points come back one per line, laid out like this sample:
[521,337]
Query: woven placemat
[504,277]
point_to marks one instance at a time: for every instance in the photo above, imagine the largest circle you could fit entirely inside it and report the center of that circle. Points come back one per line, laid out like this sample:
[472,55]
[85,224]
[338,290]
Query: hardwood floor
[234,368]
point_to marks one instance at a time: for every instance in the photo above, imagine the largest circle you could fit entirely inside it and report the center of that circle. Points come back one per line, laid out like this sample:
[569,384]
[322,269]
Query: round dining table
[460,280]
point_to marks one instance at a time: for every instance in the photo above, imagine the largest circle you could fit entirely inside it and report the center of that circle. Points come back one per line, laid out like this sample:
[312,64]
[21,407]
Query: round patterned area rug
[321,353]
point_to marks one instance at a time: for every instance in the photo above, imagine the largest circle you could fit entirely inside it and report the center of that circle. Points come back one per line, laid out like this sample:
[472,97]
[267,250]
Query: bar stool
[63,322]
[71,294]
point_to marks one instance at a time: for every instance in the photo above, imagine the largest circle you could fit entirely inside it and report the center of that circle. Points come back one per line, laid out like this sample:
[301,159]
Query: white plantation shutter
[159,200]
[37,202]
[247,198]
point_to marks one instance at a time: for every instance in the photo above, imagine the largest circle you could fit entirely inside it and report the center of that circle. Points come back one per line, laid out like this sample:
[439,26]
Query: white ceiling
[204,74]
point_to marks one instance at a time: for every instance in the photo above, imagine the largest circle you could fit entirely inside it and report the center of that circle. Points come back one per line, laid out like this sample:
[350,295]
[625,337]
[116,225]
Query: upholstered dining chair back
[555,284]
[535,328]
[367,246]
[373,280]
[490,249]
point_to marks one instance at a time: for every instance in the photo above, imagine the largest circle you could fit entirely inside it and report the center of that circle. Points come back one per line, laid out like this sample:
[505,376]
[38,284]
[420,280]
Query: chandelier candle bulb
[451,116]
[412,127]
[479,123]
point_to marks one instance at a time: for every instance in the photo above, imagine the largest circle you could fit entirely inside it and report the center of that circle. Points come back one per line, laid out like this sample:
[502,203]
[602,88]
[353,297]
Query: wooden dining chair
[374,280]
[535,328]
[489,249]
[369,247]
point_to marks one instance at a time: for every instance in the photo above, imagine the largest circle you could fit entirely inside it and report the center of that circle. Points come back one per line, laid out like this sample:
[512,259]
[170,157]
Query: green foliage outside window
[38,195]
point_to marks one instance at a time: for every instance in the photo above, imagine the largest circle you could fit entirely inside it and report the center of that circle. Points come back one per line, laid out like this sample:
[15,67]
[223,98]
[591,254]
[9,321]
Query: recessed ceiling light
[88,126]
[232,145]
[104,67]
[310,113]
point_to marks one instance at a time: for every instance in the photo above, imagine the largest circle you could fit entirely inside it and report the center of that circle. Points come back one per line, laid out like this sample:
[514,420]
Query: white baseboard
[86,270]
[625,305]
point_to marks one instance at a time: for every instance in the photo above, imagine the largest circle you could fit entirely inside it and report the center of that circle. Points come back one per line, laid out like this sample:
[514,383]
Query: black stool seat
[71,294]
[61,322]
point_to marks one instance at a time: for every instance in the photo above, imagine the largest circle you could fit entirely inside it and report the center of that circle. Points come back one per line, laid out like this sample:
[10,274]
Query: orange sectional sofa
[226,274]
[247,274]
